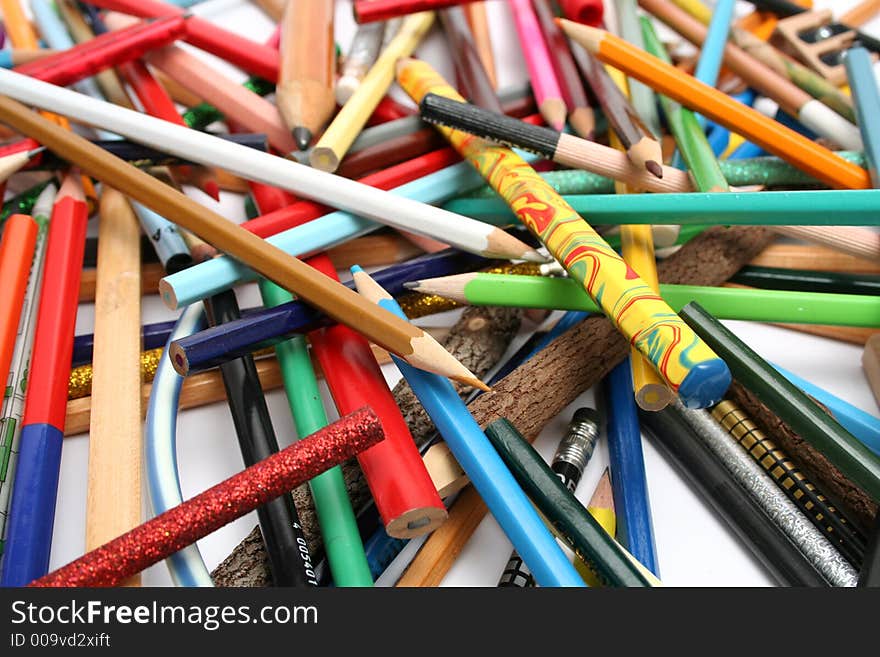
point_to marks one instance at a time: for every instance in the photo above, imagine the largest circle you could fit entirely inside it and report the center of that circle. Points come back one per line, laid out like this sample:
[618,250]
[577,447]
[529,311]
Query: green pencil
[799,208]
[339,530]
[749,304]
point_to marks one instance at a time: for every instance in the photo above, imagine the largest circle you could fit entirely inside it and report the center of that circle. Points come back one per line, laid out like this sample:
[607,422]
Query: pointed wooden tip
[603,497]
[588,37]
[72,187]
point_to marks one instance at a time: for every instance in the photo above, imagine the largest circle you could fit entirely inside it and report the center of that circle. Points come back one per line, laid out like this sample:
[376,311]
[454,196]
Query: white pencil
[202,148]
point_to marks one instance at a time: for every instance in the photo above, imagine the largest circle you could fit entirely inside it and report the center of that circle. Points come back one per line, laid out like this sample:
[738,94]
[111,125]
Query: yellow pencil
[348,123]
[601,507]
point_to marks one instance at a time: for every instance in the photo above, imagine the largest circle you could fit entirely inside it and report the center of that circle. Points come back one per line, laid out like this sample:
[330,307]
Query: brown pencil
[305,94]
[479,22]
[113,502]
[476,85]
[274,8]
[817,258]
[642,147]
[381,326]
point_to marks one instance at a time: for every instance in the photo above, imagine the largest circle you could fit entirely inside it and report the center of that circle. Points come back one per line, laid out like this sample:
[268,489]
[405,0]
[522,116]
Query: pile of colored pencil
[618,187]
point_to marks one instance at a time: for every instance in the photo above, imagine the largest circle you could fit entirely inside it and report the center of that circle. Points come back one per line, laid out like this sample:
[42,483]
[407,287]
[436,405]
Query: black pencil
[475,83]
[289,558]
[731,501]
[870,573]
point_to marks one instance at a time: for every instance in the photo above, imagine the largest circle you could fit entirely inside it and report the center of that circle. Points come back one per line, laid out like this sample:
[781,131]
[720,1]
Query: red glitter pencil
[253,57]
[106,50]
[183,525]
[32,510]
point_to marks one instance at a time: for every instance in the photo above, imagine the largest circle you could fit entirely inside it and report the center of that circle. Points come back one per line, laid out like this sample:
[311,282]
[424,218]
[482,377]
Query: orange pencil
[16,255]
[803,153]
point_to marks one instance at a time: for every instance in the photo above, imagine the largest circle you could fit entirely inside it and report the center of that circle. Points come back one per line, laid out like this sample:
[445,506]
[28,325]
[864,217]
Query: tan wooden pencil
[860,14]
[113,502]
[274,8]
[479,22]
[816,258]
[305,95]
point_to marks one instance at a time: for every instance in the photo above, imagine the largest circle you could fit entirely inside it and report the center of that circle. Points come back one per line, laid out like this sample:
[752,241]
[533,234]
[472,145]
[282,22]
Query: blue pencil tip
[355,269]
[705,385]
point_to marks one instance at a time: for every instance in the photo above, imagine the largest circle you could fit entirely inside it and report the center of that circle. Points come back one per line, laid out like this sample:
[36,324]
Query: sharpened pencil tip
[536,256]
[411,285]
[474,382]
[654,168]
[302,137]
[212,189]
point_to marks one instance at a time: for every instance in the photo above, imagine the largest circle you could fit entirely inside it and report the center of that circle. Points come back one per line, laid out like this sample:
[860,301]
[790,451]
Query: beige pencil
[113,503]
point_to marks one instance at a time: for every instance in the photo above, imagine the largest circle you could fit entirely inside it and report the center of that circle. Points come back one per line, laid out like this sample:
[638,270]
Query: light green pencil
[13,399]
[748,304]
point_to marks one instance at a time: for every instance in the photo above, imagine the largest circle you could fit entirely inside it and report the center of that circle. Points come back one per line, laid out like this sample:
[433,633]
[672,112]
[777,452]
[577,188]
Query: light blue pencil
[863,83]
[797,208]
[862,425]
[214,276]
[478,458]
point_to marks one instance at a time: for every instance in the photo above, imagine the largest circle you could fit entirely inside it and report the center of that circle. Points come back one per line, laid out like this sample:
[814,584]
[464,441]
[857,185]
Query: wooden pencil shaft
[861,13]
[819,258]
[871,365]
[476,84]
[113,504]
[479,22]
[560,57]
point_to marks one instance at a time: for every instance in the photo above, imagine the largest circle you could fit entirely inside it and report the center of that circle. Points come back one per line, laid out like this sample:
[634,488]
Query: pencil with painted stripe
[686,364]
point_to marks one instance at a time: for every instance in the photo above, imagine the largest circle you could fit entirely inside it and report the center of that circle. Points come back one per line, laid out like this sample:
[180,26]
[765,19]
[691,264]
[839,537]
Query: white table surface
[694,547]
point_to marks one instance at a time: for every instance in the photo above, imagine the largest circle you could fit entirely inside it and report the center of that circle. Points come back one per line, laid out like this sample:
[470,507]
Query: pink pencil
[541,74]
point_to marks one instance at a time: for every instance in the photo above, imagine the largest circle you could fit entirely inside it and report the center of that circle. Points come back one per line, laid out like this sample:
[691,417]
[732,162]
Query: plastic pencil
[642,146]
[729,303]
[860,72]
[482,464]
[626,299]
[562,148]
[305,95]
[846,452]
[17,248]
[344,129]
[249,55]
[635,529]
[32,509]
[16,382]
[342,542]
[580,113]
[541,74]
[791,99]
[361,55]
[474,79]
[800,151]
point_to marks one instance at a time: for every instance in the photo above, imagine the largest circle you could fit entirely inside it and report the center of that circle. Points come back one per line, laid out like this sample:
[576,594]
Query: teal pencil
[860,73]
[801,208]
[748,304]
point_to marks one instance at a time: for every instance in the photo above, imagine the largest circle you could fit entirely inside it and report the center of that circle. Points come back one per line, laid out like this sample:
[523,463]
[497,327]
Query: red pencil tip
[212,189]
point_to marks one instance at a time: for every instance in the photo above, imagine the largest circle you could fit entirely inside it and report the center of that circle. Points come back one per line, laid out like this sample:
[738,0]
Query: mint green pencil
[723,302]
[801,208]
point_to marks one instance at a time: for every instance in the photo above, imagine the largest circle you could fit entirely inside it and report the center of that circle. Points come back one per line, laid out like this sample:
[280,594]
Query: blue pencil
[629,485]
[712,51]
[860,72]
[862,425]
[496,485]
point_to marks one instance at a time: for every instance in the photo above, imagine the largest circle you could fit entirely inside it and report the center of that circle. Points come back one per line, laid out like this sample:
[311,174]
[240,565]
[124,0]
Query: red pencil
[367,11]
[253,57]
[106,50]
[16,256]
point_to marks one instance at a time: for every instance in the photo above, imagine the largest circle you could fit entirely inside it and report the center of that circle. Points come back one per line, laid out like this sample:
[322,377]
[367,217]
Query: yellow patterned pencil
[687,365]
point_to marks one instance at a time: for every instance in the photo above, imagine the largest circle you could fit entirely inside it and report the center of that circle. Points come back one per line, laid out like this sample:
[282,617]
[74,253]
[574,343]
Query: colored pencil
[580,113]
[541,74]
[798,103]
[730,303]
[712,51]
[569,462]
[871,365]
[113,497]
[601,507]
[479,23]
[16,382]
[11,57]
[861,13]
[642,96]
[344,129]
[253,57]
[808,539]
[833,524]
[642,146]
[197,517]
[482,464]
[830,209]
[800,151]
[305,95]
[635,529]
[361,55]
[860,72]
[11,164]
[475,82]
[367,11]
[775,278]
[589,12]
[562,148]
[585,255]
[17,247]
[870,574]
[803,415]
[381,327]
[32,509]
[561,508]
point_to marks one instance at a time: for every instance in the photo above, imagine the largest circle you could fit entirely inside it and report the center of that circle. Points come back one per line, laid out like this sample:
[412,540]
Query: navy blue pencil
[627,462]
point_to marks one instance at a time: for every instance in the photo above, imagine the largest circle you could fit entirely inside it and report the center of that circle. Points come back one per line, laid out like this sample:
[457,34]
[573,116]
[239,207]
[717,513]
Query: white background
[694,547]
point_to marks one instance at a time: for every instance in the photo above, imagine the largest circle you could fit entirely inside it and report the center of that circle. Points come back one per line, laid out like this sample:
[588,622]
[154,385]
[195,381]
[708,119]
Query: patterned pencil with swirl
[687,364]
